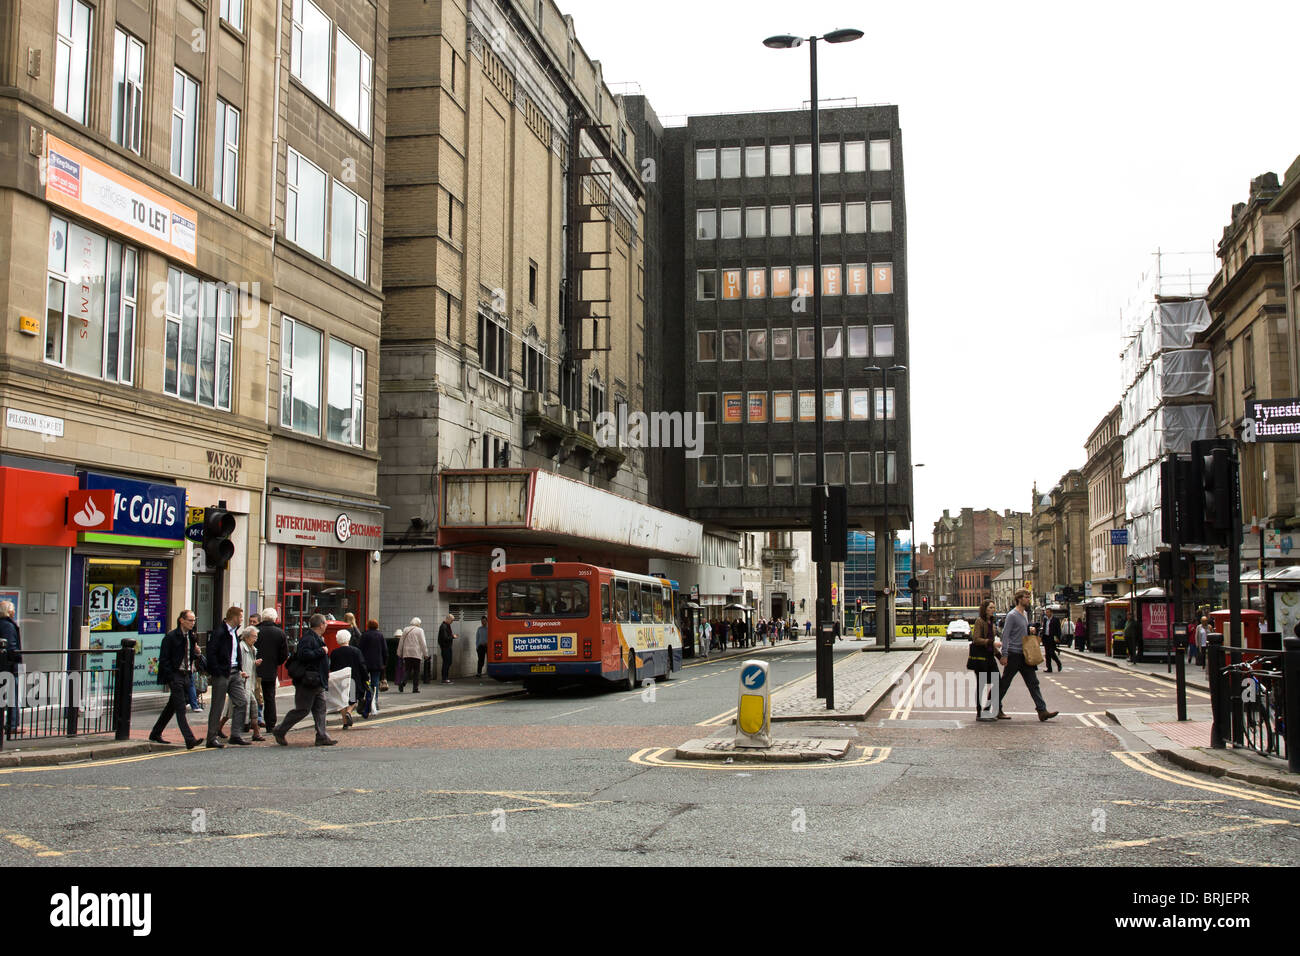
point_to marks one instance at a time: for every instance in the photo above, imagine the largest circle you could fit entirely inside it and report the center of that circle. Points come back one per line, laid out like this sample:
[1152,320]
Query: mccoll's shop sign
[143,513]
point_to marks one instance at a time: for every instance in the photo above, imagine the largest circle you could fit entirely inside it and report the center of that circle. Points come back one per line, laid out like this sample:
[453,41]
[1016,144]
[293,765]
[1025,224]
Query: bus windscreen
[557,598]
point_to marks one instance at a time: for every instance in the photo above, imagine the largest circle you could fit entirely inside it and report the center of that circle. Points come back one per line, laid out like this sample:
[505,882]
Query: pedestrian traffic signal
[925,604]
[218,526]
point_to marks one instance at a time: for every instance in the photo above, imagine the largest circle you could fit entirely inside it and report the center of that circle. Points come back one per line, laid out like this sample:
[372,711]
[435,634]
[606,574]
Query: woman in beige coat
[412,650]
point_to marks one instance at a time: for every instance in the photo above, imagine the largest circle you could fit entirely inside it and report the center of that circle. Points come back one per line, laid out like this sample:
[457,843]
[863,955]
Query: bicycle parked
[1264,720]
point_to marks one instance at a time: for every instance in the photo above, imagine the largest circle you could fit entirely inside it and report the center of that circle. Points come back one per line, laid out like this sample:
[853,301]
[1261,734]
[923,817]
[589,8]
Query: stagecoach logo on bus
[653,430]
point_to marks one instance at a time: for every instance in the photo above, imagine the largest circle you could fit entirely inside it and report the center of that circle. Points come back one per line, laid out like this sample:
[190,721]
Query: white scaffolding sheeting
[1163,377]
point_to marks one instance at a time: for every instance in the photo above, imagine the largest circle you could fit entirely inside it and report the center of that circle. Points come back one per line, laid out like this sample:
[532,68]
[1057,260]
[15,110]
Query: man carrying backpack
[310,669]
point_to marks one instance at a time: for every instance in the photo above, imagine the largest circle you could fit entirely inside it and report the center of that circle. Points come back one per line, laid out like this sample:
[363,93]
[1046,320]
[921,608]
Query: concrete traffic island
[782,750]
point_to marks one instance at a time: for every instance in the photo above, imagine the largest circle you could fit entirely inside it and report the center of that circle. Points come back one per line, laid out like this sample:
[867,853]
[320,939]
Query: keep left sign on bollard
[754,711]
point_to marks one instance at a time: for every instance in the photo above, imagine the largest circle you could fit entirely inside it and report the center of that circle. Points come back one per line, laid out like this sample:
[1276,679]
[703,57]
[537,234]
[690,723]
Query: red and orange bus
[556,622]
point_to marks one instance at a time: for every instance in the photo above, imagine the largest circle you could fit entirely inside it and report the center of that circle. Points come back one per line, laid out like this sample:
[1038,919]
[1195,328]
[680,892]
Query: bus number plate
[543,669]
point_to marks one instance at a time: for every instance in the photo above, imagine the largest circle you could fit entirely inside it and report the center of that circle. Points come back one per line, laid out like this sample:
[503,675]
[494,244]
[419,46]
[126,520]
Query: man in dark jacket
[374,649]
[10,657]
[174,674]
[223,677]
[1051,632]
[273,651]
[309,689]
[445,641]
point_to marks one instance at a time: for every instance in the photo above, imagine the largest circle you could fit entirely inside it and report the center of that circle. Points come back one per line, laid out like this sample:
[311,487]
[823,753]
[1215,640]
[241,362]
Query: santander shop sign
[141,513]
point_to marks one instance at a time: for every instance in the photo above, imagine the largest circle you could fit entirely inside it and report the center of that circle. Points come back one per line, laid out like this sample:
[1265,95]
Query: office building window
[305,198]
[832,343]
[884,403]
[782,406]
[232,11]
[128,91]
[881,216]
[731,224]
[732,468]
[349,232]
[858,341]
[706,224]
[779,223]
[730,163]
[707,346]
[185,126]
[755,161]
[493,346]
[352,82]
[72,59]
[803,220]
[830,158]
[835,468]
[783,469]
[757,471]
[805,339]
[855,217]
[803,159]
[706,285]
[300,373]
[807,469]
[756,283]
[833,410]
[346,394]
[879,155]
[859,467]
[707,476]
[755,222]
[534,367]
[882,278]
[706,164]
[199,344]
[830,219]
[882,340]
[778,160]
[707,405]
[855,156]
[309,47]
[225,155]
[90,303]
[860,404]
[883,462]
[782,344]
[756,351]
[731,345]
[858,274]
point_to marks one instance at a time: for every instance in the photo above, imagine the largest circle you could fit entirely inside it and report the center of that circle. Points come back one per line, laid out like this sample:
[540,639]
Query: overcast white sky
[1049,150]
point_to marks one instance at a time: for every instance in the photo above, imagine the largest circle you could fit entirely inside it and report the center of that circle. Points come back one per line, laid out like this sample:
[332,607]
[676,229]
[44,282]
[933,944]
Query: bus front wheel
[630,682]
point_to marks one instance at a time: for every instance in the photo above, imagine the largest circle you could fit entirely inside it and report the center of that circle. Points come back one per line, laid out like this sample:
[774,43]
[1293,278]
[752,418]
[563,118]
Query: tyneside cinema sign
[1271,419]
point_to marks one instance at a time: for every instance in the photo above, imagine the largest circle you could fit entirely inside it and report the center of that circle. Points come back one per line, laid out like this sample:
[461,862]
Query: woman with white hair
[412,649]
[347,676]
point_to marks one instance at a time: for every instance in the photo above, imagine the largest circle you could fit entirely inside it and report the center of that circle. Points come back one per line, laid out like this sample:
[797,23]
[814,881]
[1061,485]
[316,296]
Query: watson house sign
[223,466]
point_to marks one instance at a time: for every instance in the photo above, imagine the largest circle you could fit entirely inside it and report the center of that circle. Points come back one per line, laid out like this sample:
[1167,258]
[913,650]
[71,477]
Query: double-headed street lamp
[888,410]
[825,673]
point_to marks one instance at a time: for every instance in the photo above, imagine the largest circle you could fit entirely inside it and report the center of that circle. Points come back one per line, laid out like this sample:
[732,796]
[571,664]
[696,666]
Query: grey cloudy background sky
[1049,150]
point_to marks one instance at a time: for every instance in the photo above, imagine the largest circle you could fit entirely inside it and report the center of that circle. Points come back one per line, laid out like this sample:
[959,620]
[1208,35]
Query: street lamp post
[888,409]
[825,673]
[912,570]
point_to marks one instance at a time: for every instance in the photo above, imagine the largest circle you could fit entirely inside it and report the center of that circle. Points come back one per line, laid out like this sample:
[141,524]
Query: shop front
[322,559]
[35,544]
[120,583]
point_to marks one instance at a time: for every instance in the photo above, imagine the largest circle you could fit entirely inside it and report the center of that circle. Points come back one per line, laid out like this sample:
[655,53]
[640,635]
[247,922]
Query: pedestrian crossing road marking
[1144,764]
[657,757]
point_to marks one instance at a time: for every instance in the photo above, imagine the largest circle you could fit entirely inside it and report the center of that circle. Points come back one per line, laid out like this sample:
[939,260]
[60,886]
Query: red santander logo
[90,510]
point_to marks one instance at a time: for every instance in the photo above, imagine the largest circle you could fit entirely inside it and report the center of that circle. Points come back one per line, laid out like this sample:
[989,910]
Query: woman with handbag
[983,660]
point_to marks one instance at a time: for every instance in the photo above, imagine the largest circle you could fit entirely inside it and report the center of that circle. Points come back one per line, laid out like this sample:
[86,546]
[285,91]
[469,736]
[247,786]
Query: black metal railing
[68,692]
[1255,698]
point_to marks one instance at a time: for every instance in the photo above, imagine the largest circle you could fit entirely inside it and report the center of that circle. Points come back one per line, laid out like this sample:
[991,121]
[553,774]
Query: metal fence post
[1218,692]
[122,690]
[1291,703]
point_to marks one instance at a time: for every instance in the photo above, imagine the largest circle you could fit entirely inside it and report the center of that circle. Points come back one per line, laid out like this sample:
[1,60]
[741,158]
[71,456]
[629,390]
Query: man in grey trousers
[1014,631]
[309,689]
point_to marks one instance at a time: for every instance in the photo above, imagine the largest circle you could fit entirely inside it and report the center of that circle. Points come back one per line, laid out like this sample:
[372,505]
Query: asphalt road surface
[586,776]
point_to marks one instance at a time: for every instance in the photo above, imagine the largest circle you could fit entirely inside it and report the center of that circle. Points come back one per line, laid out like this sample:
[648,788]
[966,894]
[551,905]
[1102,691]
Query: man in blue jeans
[1014,631]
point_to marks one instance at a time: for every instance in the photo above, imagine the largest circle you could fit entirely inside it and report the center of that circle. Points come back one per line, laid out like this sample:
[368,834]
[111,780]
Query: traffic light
[925,604]
[859,604]
[1179,500]
[218,526]
[1214,467]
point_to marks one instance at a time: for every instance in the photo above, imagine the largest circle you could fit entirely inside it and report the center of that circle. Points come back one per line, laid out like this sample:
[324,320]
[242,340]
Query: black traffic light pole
[218,526]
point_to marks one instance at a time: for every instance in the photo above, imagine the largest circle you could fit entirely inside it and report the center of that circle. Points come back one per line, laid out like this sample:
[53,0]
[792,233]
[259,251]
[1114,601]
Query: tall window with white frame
[304,208]
[225,155]
[90,303]
[349,231]
[72,59]
[309,47]
[185,127]
[300,373]
[199,342]
[232,11]
[128,91]
[346,396]
[352,81]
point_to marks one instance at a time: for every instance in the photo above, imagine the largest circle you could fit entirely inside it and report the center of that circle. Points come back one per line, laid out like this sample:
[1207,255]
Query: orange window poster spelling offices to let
[731,283]
[781,283]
